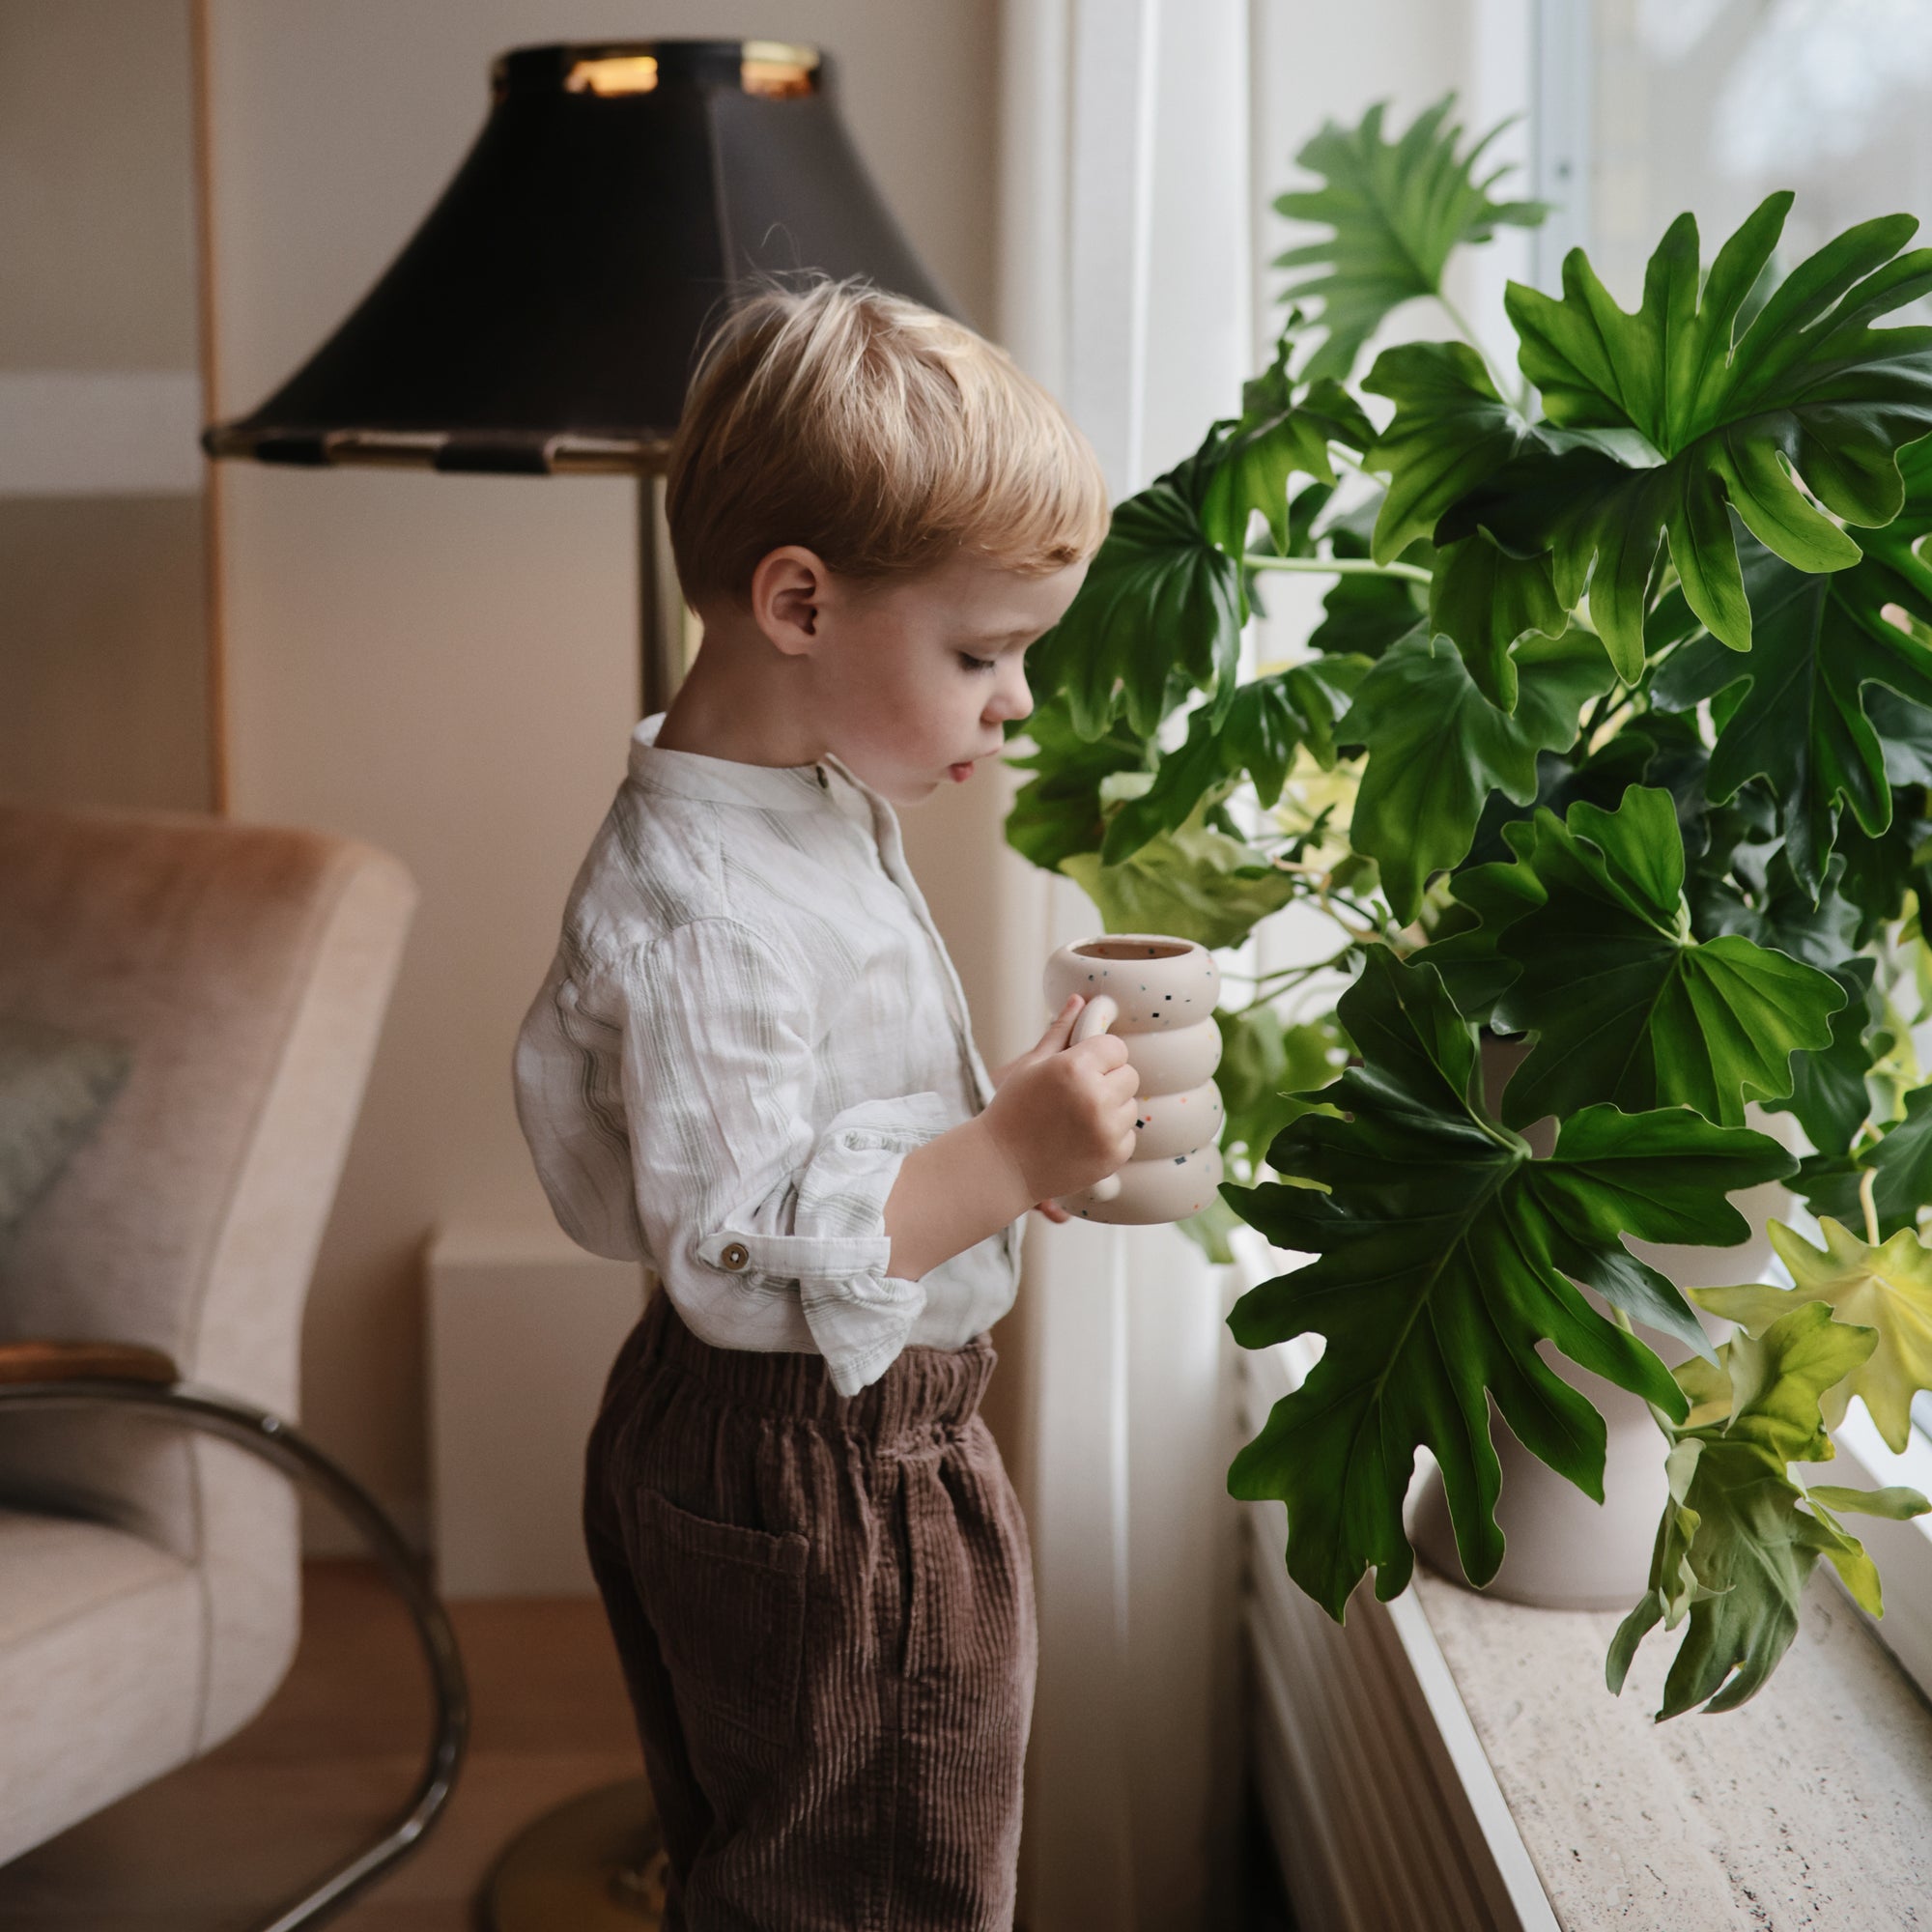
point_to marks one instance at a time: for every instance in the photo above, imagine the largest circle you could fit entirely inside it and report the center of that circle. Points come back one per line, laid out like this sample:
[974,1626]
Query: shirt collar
[725,781]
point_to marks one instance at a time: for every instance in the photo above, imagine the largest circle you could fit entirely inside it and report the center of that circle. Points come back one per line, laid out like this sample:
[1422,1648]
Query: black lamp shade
[545,314]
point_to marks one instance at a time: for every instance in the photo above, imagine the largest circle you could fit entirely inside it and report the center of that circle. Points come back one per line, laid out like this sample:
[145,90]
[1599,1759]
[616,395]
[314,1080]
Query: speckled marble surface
[1808,1809]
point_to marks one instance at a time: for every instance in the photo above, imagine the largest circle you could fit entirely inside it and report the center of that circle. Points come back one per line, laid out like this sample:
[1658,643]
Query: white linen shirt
[750,1020]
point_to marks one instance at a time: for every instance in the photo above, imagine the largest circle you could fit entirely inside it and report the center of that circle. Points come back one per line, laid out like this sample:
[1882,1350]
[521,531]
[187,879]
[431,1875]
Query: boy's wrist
[1006,1180]
[950,1194]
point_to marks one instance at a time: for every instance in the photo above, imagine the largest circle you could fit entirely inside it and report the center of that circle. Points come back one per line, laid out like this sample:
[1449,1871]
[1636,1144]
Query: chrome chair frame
[277,1442]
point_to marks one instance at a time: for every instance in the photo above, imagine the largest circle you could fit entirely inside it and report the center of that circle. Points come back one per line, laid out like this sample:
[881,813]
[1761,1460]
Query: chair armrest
[84,1361]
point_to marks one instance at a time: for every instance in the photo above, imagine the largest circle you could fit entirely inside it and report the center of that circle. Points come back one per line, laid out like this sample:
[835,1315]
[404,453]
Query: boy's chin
[902,786]
[911,791]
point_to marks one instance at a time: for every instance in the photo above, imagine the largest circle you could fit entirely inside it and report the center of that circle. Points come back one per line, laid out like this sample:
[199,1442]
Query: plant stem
[1605,708]
[1275,992]
[1868,1200]
[1656,1416]
[1318,880]
[1475,342]
[1336,566]
[1341,458]
[1299,973]
[1262,979]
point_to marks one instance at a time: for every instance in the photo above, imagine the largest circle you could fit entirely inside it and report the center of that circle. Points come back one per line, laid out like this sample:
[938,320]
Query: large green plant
[1615,738]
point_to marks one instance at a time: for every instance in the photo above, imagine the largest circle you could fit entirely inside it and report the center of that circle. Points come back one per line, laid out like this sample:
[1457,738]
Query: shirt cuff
[838,1252]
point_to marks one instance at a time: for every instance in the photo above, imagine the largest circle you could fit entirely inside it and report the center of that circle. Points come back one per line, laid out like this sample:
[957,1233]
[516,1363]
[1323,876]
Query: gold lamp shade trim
[614,73]
[771,70]
[562,455]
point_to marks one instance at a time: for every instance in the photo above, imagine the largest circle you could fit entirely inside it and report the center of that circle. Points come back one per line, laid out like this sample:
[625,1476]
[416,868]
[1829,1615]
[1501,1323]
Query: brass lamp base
[593,1863]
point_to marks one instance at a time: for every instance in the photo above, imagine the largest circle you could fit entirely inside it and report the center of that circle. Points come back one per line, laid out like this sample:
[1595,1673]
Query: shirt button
[735,1256]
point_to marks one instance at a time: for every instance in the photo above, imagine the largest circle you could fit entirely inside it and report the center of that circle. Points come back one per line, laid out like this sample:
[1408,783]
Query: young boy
[752,1067]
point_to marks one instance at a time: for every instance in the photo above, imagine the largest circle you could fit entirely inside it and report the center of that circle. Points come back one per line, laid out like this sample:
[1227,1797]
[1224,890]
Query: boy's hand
[1052,1210]
[1065,1116]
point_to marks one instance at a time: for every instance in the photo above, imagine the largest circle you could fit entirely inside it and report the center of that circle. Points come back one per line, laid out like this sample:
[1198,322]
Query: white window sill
[1809,1806]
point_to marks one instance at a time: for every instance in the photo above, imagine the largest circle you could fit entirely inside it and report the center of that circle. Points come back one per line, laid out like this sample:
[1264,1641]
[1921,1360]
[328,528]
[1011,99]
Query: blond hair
[879,435]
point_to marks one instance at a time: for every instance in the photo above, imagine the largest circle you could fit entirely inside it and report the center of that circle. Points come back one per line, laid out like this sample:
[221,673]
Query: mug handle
[1097,1016]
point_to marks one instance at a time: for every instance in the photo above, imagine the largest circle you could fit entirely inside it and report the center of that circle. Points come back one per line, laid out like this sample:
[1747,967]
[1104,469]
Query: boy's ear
[788,588]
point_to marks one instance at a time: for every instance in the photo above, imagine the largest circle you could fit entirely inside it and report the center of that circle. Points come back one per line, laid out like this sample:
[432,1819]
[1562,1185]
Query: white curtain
[1125,279]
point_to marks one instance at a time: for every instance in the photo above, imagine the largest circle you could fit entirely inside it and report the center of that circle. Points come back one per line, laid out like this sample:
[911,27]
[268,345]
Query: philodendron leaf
[1195,881]
[1437,748]
[1364,613]
[1160,607]
[1740,1538]
[1484,600]
[1886,1289]
[1627,1007]
[1446,1254]
[1280,434]
[1828,1093]
[1397,209]
[1269,718]
[1061,812]
[1821,642]
[1900,1155]
[1880,871]
[1809,393]
[1450,431]
[1269,1074]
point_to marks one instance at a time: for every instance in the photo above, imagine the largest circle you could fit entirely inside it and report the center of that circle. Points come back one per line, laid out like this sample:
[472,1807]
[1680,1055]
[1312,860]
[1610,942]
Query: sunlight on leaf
[1886,1289]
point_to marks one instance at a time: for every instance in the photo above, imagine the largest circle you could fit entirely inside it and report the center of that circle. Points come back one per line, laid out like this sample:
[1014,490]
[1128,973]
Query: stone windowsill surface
[1808,1809]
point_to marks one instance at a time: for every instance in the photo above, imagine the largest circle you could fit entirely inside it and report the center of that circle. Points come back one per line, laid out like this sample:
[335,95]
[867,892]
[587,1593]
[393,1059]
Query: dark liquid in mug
[1132,948]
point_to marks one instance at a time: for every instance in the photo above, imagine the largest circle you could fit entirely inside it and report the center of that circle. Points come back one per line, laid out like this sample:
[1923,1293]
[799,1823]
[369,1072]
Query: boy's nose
[1016,702]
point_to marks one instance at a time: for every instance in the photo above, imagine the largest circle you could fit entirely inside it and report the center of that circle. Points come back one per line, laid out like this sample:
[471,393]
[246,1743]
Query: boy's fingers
[1060,1026]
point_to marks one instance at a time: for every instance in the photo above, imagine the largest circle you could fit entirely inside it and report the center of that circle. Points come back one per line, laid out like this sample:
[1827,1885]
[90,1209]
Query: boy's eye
[977,664]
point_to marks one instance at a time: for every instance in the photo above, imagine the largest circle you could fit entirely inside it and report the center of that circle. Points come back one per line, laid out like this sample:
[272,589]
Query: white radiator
[1383,1810]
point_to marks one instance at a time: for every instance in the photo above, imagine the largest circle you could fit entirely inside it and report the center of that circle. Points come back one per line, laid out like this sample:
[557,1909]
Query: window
[1710,105]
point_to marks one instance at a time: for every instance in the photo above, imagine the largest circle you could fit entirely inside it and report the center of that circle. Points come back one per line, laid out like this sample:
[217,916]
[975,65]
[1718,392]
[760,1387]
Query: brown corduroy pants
[823,1607]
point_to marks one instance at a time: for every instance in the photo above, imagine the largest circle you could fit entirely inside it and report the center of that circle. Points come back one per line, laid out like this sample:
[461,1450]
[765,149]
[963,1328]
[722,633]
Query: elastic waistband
[924,1388]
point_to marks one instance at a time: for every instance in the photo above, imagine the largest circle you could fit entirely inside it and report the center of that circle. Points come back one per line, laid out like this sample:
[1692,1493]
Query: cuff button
[735,1256]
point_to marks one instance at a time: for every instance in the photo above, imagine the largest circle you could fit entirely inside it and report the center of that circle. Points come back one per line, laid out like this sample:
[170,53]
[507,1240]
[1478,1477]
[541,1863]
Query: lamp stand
[596,1863]
[664,625]
[593,1863]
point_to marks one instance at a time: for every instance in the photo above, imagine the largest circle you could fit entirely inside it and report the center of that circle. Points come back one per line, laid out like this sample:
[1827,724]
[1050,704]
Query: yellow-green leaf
[1886,1287]
[1740,1537]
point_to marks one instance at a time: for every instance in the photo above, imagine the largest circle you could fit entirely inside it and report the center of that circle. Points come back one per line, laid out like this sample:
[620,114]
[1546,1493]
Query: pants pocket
[727,1604]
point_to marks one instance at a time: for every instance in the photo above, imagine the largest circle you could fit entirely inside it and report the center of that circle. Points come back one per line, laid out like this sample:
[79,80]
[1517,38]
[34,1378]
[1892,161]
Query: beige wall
[103,646]
[103,620]
[446,665]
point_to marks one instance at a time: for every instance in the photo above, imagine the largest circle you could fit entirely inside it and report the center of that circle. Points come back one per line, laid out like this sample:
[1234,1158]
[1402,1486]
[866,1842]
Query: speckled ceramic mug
[1158,994]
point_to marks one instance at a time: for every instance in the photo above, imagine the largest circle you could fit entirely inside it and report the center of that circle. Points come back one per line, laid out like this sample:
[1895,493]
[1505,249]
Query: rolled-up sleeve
[747,1201]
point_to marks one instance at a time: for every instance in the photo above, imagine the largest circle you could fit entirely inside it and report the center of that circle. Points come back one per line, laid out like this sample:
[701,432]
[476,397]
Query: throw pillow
[54,1087]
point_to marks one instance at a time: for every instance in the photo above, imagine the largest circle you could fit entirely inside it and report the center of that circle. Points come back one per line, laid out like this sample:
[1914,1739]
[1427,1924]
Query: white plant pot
[1561,1550]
